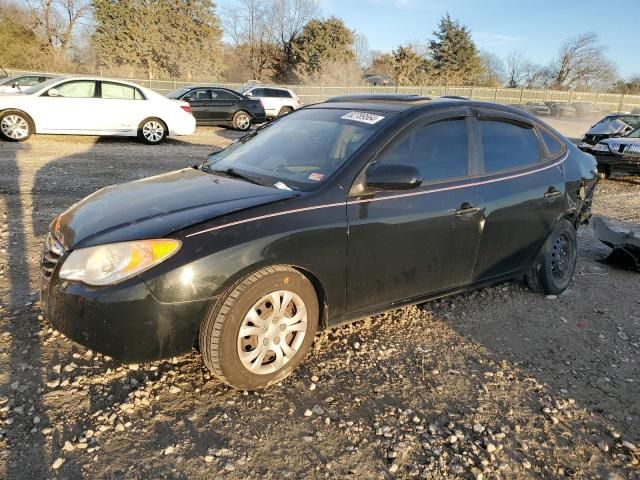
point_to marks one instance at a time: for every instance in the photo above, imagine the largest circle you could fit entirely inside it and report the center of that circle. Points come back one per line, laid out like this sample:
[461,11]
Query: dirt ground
[496,383]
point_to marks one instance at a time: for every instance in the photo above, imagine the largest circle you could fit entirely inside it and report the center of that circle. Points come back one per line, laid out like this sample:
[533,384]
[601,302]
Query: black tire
[241,121]
[152,131]
[285,111]
[10,121]
[220,340]
[555,265]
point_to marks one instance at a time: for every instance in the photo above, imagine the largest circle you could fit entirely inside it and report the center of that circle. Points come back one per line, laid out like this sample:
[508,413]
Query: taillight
[261,104]
[186,108]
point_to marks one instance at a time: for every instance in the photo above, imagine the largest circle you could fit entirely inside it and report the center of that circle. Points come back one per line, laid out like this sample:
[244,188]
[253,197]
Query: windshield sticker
[281,186]
[364,117]
[316,177]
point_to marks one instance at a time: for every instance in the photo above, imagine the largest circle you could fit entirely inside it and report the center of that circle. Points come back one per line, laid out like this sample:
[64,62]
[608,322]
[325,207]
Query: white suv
[277,101]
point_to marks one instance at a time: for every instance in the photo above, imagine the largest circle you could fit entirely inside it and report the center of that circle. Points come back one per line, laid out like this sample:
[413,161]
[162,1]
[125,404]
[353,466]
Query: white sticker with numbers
[364,117]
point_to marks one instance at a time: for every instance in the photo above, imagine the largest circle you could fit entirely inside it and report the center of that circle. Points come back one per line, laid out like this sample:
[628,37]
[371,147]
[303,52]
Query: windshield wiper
[242,176]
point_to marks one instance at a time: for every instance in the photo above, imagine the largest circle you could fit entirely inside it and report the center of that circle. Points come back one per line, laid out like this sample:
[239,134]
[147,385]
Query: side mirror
[188,98]
[249,94]
[393,177]
[53,92]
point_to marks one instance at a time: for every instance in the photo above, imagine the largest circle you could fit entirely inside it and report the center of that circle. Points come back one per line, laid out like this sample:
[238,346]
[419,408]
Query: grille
[51,253]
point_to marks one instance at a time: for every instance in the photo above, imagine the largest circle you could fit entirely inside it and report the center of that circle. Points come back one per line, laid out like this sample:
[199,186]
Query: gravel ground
[496,383]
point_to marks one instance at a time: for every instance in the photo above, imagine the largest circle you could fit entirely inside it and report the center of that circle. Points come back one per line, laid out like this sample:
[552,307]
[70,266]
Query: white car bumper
[185,125]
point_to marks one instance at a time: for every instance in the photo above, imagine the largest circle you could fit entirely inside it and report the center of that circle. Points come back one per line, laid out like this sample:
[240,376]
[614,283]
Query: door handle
[467,209]
[552,193]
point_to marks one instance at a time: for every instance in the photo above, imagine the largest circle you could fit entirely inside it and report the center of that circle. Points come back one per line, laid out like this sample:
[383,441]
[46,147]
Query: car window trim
[548,156]
[418,122]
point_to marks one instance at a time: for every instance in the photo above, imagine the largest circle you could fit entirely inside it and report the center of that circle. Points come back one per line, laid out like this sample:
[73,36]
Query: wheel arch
[29,117]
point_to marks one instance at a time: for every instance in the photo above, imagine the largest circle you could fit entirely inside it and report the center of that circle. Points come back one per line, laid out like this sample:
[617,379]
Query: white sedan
[93,106]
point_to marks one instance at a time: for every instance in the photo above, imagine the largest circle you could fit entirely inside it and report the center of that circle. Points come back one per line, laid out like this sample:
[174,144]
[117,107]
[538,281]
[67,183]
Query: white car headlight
[114,262]
[601,147]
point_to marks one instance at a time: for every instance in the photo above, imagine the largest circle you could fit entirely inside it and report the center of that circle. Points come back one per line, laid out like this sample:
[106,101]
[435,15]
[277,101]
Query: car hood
[157,206]
[608,128]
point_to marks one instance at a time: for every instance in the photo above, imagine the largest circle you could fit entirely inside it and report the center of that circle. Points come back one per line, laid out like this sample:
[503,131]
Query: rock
[491,447]
[68,446]
[526,464]
[312,387]
[308,413]
[629,446]
[478,428]
[452,439]
[318,410]
[208,458]
[551,297]
[603,446]
[169,450]
[315,379]
[174,389]
[393,468]
[356,345]
[58,463]
[53,384]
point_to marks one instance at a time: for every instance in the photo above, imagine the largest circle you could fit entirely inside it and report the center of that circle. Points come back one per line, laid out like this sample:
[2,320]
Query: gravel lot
[496,383]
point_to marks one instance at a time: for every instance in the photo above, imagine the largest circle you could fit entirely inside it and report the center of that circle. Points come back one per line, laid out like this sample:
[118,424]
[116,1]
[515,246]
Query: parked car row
[99,106]
[336,211]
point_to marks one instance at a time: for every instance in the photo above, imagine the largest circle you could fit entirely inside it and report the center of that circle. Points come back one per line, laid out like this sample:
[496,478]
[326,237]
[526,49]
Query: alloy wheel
[14,127]
[153,131]
[272,332]
[243,121]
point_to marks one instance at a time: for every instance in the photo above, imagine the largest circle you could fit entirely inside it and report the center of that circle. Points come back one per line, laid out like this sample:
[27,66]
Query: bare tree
[250,24]
[518,69]
[56,21]
[289,18]
[581,62]
[361,50]
[493,69]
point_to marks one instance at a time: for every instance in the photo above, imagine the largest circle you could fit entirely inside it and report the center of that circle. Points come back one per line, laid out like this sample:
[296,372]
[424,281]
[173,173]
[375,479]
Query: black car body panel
[623,155]
[609,127]
[364,251]
[213,105]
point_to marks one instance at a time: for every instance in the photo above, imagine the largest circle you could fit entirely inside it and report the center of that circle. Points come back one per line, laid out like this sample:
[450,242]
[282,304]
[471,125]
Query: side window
[201,94]
[554,146]
[79,89]
[118,91]
[440,150]
[258,92]
[508,145]
[271,93]
[223,95]
[27,81]
[283,94]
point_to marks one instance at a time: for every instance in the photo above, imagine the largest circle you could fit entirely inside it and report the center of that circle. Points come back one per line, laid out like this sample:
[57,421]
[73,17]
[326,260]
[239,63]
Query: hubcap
[243,121]
[14,127]
[153,131]
[561,256]
[272,332]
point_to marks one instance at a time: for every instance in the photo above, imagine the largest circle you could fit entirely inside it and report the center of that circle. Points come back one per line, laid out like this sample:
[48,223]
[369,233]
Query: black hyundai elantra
[337,211]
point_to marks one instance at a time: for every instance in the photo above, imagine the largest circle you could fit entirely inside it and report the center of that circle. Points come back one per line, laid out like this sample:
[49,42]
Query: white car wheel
[152,131]
[15,126]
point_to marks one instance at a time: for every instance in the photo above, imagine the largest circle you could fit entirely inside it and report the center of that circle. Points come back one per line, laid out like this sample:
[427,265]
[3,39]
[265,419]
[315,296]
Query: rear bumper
[183,126]
[124,321]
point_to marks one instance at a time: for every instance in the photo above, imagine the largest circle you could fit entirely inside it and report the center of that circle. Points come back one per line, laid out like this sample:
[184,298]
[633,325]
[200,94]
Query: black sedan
[619,154]
[337,211]
[561,109]
[611,126]
[213,105]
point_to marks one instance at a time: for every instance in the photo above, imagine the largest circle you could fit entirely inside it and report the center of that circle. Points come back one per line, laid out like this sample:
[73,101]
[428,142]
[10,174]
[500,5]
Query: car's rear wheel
[152,131]
[15,126]
[285,111]
[241,121]
[604,171]
[556,262]
[261,328]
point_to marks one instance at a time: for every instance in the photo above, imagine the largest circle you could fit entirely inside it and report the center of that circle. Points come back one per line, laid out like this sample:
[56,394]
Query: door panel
[521,203]
[74,109]
[406,244]
[200,102]
[223,105]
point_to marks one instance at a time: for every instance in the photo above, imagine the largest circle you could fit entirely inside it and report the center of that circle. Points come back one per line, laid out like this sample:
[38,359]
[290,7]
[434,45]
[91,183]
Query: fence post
[570,94]
[471,95]
[621,104]
[495,95]
[521,93]
[544,98]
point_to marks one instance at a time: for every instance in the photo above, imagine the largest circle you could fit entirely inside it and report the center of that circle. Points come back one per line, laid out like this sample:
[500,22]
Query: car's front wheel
[241,121]
[261,328]
[152,131]
[556,262]
[15,126]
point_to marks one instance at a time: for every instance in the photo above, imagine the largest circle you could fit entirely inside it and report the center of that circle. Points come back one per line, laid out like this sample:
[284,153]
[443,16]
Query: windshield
[40,86]
[178,93]
[634,134]
[631,120]
[6,81]
[301,150]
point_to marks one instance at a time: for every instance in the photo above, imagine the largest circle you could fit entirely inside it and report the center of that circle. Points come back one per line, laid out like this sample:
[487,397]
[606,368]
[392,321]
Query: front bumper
[124,321]
[585,147]
[627,164]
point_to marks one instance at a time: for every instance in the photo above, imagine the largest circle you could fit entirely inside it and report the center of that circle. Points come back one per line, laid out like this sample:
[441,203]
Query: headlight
[114,262]
[601,147]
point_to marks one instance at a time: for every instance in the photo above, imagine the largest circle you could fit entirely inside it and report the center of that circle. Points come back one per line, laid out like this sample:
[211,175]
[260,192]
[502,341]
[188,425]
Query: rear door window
[440,150]
[271,92]
[218,94]
[118,91]
[201,94]
[508,145]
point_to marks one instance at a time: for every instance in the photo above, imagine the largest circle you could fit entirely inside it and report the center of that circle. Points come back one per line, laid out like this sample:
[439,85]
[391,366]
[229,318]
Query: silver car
[277,101]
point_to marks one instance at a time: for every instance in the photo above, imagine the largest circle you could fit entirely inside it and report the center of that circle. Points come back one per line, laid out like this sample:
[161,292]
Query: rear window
[554,146]
[508,145]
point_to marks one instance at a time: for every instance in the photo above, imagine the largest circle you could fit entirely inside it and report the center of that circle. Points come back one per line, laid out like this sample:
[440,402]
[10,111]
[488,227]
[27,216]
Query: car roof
[399,102]
[207,85]
[100,79]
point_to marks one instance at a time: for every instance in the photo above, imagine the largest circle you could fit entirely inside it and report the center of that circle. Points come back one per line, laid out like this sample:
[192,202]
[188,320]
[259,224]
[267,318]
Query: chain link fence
[606,102]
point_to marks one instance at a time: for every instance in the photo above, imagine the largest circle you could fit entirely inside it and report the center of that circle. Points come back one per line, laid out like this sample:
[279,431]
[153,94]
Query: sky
[536,28]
